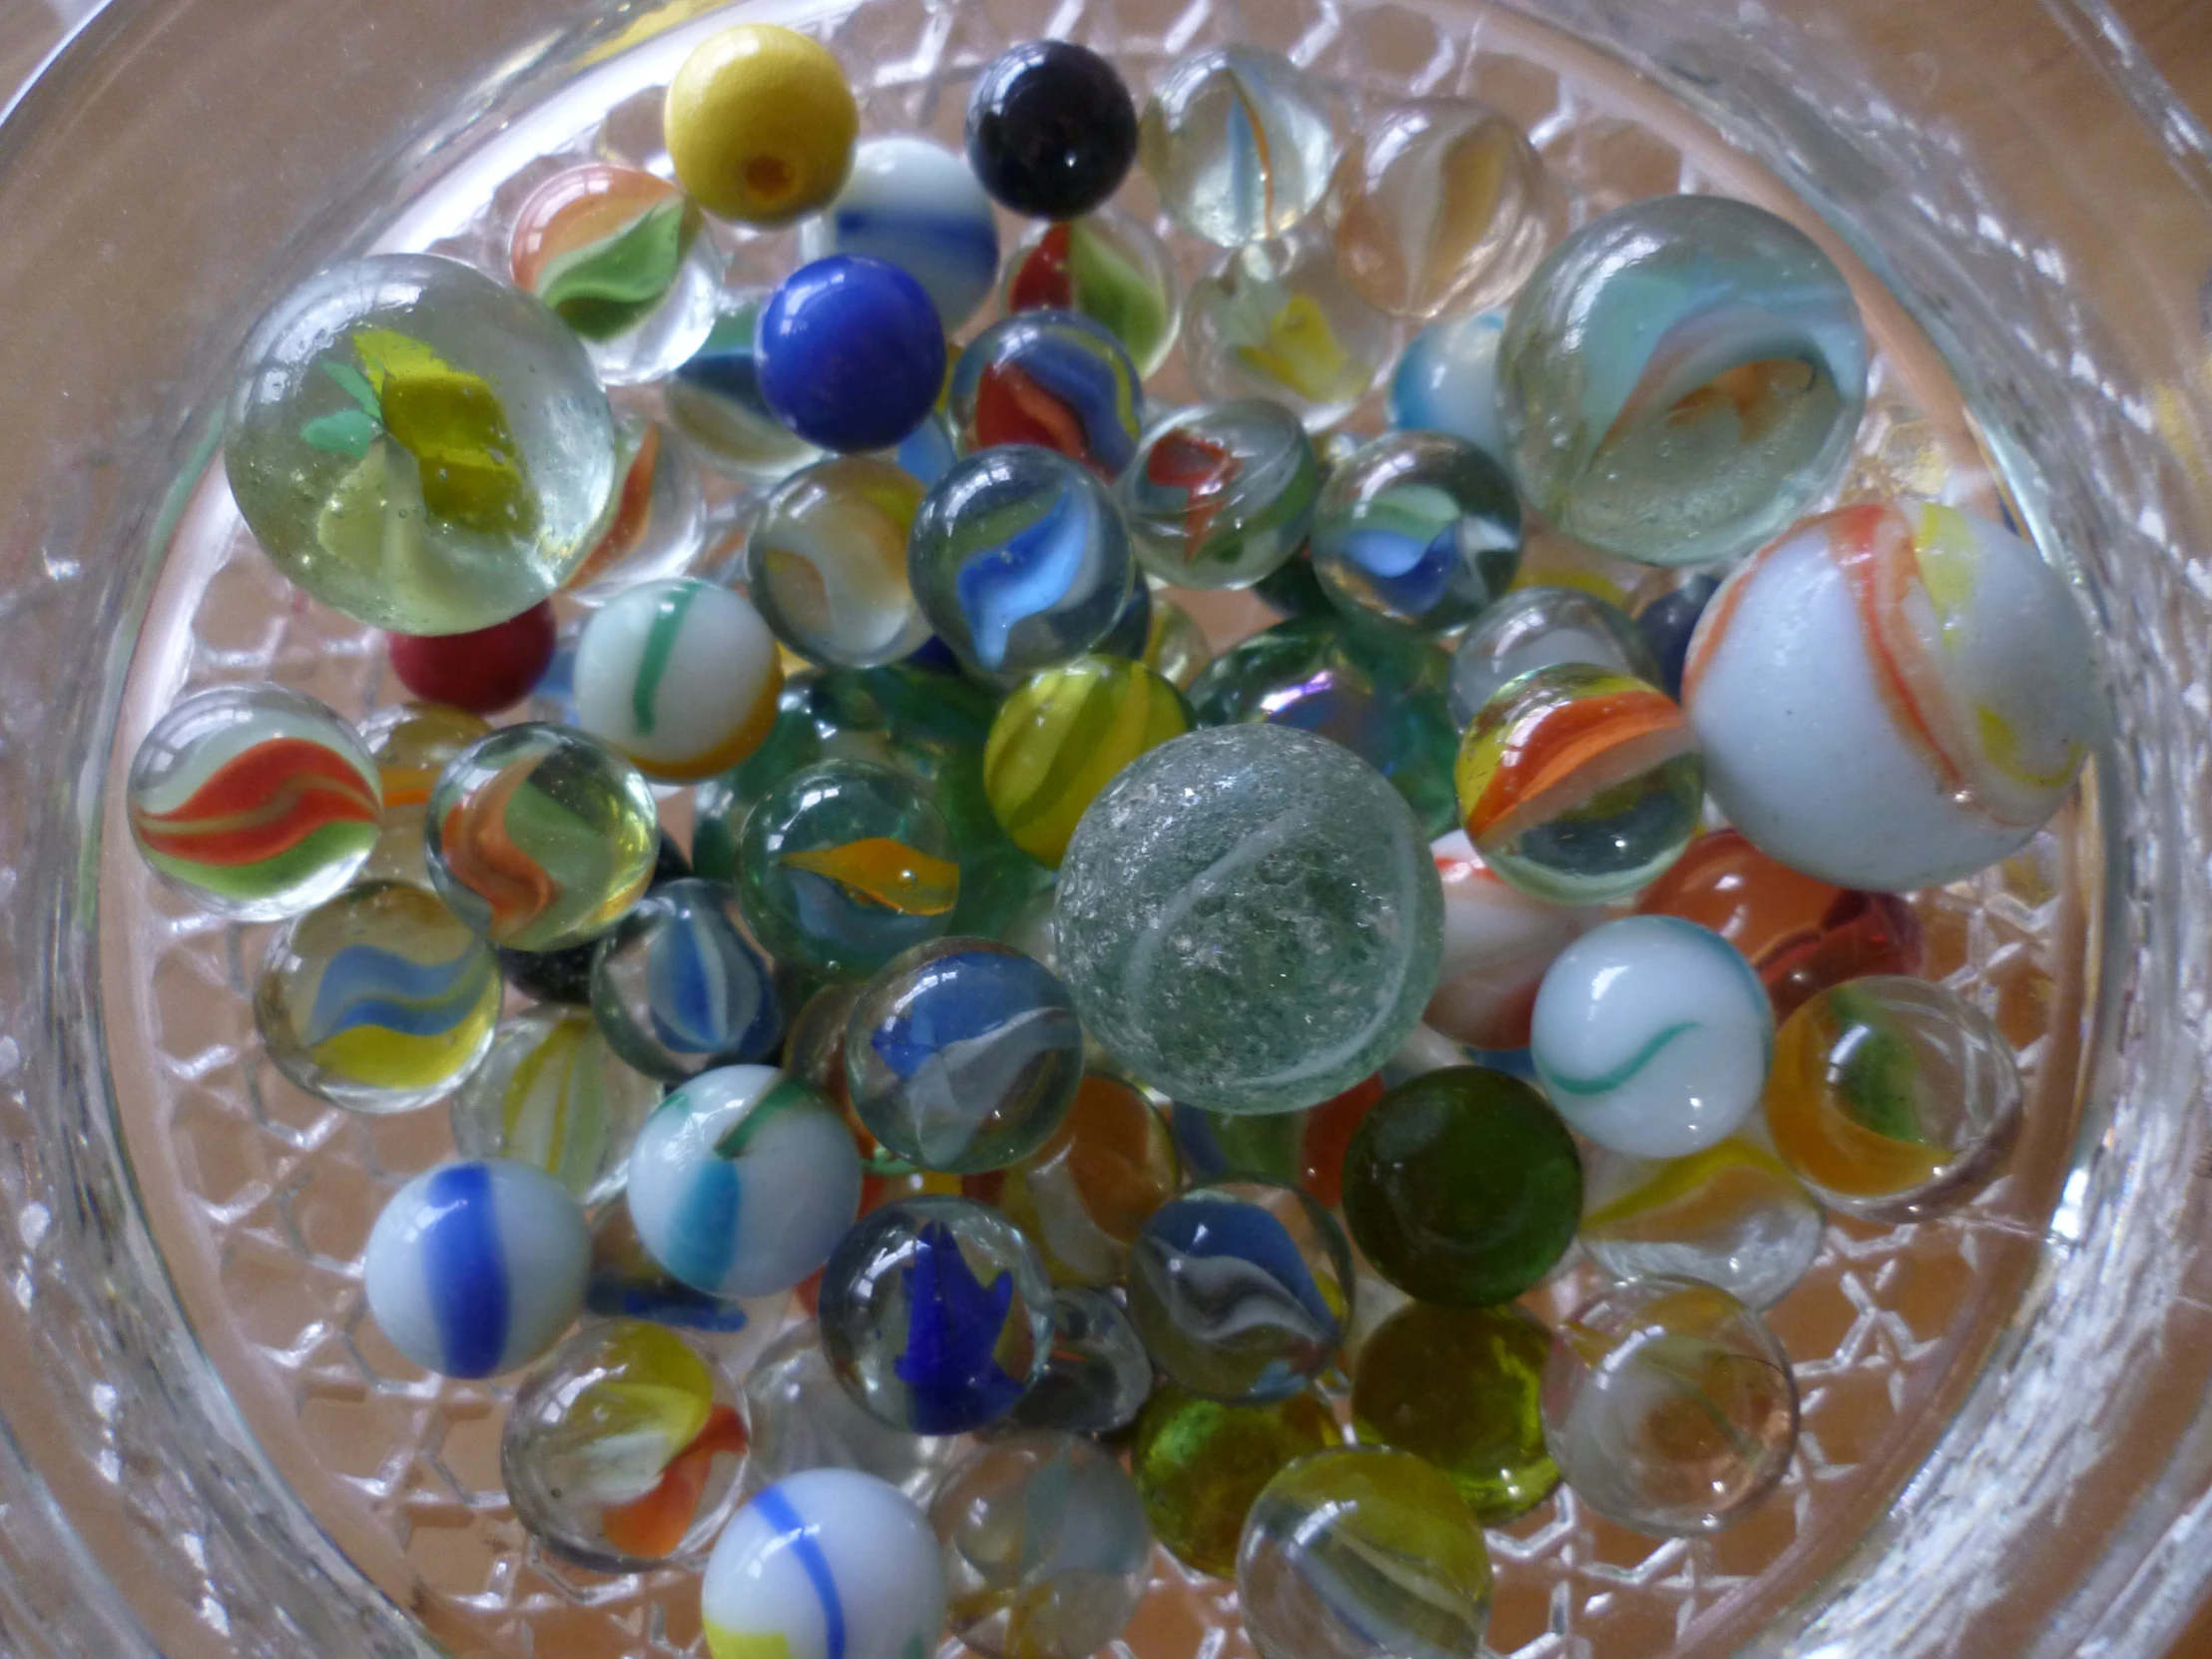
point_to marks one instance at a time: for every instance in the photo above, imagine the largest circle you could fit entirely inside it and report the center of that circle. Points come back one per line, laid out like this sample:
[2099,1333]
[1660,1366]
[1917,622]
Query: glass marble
[1418,528]
[1892,697]
[1248,919]
[1082,1197]
[616,253]
[1020,560]
[1732,1215]
[1199,1464]
[1667,606]
[713,398]
[417,445]
[844,864]
[483,670]
[1109,267]
[1462,1187]
[1892,1098]
[540,836]
[1275,319]
[1669,1406]
[1098,1374]
[1538,627]
[655,520]
[1440,205]
[677,987]
[255,801]
[1051,378]
[1362,1553]
[963,1055]
[802,1418]
[1680,379]
[1222,495]
[760,124]
[937,1314]
[1652,1036]
[1176,646]
[1241,1290]
[377,1001]
[914,205]
[477,1267]
[621,1450]
[849,353]
[1376,697]
[1305,1149]
[410,743]
[680,675]
[1446,381]
[1800,934]
[1498,944]
[929,451]
[827,563]
[1237,141]
[1457,1388]
[743,1182]
[1051,129]
[1046,1550]
[825,1564]
[1580,785]
[550,1093]
[564,975]
[1063,736]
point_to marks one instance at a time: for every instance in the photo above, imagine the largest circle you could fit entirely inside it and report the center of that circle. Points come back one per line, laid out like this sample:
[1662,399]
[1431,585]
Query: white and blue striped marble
[826,1564]
[917,206]
[477,1267]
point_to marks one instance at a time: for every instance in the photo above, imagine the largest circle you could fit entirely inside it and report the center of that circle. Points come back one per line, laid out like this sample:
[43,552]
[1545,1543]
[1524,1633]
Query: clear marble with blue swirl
[1417,528]
[917,206]
[1652,1036]
[679,990]
[1020,560]
[963,1055]
[937,1314]
[1681,379]
[743,1182]
[1242,1290]
[477,1267]
[378,1000]
[1052,378]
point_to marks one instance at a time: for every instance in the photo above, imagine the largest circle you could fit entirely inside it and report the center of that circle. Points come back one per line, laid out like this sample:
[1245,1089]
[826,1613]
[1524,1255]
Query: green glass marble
[929,725]
[1459,1387]
[1200,1463]
[1462,1186]
[844,864]
[1250,919]
[1382,699]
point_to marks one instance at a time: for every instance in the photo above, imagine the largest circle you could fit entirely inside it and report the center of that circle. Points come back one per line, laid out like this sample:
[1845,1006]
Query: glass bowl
[209,1450]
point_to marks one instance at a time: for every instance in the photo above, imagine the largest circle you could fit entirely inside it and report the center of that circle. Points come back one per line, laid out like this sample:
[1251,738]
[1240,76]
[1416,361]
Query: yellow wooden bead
[761,123]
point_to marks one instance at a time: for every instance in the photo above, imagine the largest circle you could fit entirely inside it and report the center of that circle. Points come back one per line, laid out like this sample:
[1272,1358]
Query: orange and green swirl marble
[266,819]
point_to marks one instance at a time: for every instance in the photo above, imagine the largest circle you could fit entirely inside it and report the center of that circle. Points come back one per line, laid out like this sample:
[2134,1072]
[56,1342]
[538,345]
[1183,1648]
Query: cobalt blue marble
[1242,1290]
[937,1314]
[1020,560]
[963,1055]
[1051,129]
[914,205]
[477,1267]
[678,988]
[849,353]
[1447,381]
[1053,378]
[743,1181]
